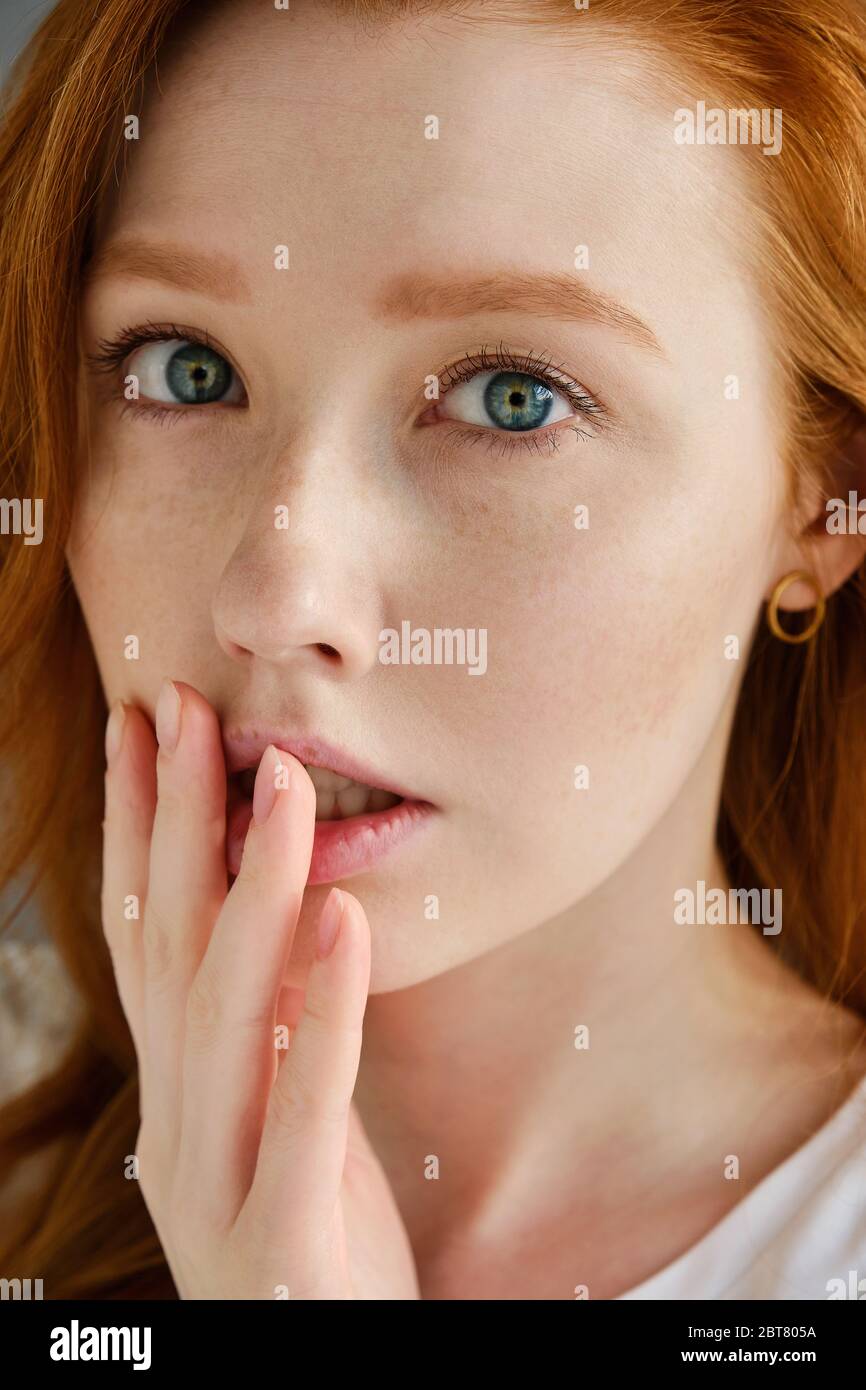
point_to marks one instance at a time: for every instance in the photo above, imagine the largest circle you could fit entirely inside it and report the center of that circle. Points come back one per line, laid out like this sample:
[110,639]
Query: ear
[830,531]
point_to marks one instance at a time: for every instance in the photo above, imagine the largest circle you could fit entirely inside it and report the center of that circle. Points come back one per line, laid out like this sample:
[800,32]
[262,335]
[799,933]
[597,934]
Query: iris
[516,401]
[196,373]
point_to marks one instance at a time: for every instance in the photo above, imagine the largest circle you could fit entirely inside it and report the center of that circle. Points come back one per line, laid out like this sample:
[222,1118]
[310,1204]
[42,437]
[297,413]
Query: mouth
[337,798]
[358,821]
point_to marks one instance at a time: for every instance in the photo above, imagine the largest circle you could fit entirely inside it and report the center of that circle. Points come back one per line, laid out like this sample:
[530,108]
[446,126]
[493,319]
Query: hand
[256,1171]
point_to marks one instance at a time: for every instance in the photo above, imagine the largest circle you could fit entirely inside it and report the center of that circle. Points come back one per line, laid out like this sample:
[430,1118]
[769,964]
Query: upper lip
[244,748]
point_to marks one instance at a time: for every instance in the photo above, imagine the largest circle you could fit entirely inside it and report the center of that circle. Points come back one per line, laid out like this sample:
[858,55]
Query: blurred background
[18,19]
[37,1004]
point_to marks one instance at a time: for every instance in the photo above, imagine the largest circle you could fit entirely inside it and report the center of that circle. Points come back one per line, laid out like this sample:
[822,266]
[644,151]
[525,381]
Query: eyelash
[111,355]
[540,368]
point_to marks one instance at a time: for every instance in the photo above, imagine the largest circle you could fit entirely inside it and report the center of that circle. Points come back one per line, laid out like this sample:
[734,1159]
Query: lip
[341,848]
[244,750]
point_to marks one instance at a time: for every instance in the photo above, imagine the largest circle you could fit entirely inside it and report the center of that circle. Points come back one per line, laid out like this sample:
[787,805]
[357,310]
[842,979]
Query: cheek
[137,559]
[612,651]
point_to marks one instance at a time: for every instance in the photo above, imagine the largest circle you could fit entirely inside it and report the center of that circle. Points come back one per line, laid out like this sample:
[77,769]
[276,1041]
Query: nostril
[326,650]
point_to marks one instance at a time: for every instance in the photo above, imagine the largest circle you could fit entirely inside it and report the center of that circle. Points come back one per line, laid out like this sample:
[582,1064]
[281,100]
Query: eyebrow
[210,272]
[410,296]
[406,297]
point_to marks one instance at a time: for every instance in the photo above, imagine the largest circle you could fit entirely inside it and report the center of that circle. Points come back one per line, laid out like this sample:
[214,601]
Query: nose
[300,589]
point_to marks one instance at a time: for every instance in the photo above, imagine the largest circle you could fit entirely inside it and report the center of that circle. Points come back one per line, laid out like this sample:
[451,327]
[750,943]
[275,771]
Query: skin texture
[606,646]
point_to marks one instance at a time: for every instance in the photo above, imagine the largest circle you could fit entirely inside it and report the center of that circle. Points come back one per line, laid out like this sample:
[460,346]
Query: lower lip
[341,848]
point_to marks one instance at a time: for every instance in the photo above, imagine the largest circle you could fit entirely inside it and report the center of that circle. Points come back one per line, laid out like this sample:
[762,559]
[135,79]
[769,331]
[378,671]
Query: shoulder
[799,1234]
[819,1249]
[803,1229]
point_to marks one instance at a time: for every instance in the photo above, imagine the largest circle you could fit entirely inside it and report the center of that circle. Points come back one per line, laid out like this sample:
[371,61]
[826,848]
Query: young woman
[438,412]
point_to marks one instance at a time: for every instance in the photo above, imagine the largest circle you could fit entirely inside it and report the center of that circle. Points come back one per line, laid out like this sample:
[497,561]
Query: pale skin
[558,1167]
[263,1185]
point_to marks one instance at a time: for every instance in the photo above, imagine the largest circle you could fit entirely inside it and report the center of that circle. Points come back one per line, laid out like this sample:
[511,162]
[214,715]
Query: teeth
[323,779]
[353,800]
[337,798]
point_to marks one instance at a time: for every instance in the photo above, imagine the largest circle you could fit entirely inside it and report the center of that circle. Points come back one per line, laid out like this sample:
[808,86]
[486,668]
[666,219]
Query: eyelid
[539,366]
[586,404]
[112,353]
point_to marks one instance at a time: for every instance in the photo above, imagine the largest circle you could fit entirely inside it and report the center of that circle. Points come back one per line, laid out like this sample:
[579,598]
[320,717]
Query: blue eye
[195,373]
[178,372]
[516,401]
[507,400]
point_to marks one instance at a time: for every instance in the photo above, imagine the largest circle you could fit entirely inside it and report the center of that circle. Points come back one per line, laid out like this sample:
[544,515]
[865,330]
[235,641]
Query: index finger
[130,805]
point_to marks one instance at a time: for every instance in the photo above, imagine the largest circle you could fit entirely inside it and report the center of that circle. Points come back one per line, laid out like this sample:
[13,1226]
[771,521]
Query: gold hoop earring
[773,608]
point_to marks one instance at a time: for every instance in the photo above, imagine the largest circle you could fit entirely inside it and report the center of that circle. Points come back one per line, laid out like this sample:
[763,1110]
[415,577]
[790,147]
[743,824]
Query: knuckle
[158,942]
[286,1118]
[212,1009]
[205,1009]
[212,827]
[170,798]
[126,812]
[252,877]
[303,1103]
[321,1029]
[315,1015]
[189,1217]
[300,1093]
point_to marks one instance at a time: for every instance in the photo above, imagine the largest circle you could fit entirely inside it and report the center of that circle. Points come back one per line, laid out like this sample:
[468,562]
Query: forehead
[366,150]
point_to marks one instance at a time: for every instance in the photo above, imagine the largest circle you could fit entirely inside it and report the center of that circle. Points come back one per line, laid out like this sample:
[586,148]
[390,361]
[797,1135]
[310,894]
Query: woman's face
[268,507]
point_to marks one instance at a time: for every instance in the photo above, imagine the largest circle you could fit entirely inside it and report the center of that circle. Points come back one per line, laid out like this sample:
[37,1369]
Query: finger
[231,1053]
[303,1146]
[290,1007]
[187,881]
[130,801]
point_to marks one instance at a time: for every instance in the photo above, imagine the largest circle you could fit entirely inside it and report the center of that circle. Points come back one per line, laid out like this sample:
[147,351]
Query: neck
[589,1044]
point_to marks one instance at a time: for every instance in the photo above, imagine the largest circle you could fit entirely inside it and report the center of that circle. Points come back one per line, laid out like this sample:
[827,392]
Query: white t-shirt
[799,1234]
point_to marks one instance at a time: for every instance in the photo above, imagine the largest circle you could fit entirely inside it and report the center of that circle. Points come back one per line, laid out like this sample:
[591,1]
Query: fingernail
[265,790]
[329,923]
[168,717]
[114,731]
